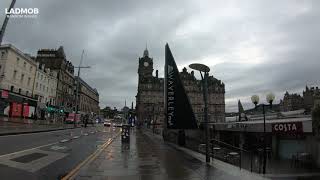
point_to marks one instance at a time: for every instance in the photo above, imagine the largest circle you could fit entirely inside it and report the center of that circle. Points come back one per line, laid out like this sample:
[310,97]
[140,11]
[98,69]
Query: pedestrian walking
[86,118]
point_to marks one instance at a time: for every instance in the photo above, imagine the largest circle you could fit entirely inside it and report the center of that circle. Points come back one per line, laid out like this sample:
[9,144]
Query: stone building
[17,74]
[88,98]
[45,88]
[309,96]
[56,60]
[291,102]
[150,95]
[45,85]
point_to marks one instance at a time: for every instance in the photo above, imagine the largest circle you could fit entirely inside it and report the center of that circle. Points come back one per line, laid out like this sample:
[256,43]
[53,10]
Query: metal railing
[231,154]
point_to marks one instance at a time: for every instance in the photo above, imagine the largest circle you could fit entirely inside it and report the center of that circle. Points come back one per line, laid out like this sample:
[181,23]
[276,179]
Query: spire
[240,107]
[125,103]
[146,52]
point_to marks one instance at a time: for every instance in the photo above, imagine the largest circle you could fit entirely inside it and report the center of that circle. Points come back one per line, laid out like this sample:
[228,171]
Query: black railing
[244,159]
[232,154]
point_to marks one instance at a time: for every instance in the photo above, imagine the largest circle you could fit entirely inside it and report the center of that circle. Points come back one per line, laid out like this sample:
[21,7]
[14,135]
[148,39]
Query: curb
[37,131]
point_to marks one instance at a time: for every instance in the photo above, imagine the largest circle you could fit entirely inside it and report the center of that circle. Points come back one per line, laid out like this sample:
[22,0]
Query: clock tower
[145,66]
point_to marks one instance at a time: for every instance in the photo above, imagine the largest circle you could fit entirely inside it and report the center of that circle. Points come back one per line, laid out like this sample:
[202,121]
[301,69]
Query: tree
[108,112]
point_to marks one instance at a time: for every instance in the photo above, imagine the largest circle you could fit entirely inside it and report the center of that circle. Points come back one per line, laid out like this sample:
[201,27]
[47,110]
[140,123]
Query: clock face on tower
[146,64]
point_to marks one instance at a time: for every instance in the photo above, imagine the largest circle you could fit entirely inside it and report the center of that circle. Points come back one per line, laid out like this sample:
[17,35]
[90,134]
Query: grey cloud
[114,34]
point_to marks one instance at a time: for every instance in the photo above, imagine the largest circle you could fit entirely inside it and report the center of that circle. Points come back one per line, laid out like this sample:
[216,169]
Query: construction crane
[6,19]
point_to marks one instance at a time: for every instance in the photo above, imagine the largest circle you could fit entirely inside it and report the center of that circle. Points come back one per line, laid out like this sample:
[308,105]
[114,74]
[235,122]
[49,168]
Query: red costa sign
[289,127]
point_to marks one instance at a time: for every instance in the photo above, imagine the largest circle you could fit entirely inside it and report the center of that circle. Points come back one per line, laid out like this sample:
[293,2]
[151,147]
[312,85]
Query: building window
[12,88]
[27,92]
[0,68]
[18,60]
[29,79]
[14,74]
[2,54]
[30,68]
[22,77]
[24,64]
[37,85]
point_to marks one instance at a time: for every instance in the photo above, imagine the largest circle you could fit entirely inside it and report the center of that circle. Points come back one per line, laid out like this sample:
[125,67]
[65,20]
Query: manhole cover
[29,157]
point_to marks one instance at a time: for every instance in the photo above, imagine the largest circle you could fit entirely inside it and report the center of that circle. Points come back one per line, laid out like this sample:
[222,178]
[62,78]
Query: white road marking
[58,147]
[18,152]
[75,137]
[64,140]
[35,164]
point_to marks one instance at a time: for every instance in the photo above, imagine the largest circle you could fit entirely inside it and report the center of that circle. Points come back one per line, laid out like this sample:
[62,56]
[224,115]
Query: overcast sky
[254,47]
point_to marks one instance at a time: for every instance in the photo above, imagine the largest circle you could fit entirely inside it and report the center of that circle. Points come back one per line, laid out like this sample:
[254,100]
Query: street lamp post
[203,68]
[255,100]
[77,88]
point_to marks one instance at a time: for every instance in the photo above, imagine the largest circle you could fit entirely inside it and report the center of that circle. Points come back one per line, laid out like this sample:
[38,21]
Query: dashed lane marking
[64,140]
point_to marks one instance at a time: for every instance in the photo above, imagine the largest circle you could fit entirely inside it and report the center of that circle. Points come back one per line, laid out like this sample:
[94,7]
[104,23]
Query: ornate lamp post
[255,100]
[203,68]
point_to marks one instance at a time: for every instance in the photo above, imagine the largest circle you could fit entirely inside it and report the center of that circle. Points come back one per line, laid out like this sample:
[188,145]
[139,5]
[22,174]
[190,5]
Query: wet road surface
[49,155]
[147,159]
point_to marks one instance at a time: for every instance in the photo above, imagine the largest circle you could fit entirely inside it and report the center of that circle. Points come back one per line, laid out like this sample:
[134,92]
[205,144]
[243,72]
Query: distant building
[88,98]
[291,102]
[17,74]
[309,96]
[56,60]
[45,89]
[150,98]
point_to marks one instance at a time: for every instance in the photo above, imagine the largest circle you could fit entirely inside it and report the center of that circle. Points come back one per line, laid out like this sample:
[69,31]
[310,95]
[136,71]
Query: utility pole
[5,22]
[77,87]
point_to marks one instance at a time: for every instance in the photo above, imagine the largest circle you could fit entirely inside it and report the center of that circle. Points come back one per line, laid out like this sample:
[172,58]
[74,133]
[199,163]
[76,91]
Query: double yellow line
[89,159]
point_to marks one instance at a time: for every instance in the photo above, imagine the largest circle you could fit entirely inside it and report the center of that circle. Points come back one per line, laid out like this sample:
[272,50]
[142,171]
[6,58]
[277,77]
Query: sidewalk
[10,126]
[147,157]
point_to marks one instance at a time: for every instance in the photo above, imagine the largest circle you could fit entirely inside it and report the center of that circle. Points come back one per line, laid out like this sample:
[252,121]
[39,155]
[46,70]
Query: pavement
[11,126]
[49,155]
[149,157]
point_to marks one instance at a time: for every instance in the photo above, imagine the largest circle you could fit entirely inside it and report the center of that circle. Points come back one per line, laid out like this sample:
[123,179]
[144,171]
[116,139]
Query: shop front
[16,105]
[290,138]
[284,137]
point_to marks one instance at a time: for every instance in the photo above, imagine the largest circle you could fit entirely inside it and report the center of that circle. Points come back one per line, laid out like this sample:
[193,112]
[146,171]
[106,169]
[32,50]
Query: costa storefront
[285,136]
[290,138]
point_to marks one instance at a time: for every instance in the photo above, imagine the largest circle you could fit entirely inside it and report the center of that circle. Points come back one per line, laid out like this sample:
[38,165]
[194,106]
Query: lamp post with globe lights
[255,100]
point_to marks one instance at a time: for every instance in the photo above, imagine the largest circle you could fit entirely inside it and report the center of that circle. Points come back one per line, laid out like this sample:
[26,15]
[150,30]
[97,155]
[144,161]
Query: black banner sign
[179,113]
